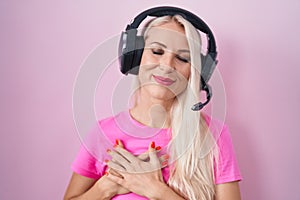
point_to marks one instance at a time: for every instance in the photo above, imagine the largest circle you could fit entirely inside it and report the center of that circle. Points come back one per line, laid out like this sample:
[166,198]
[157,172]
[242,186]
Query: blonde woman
[163,149]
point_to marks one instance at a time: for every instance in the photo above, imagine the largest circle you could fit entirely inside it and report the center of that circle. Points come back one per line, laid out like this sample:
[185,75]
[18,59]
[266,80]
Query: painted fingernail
[117,142]
[157,148]
[167,156]
[106,160]
[152,144]
[115,145]
[108,150]
[165,163]
[106,173]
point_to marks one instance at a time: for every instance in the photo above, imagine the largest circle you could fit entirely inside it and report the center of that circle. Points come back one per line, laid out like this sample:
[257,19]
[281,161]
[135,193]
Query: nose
[166,62]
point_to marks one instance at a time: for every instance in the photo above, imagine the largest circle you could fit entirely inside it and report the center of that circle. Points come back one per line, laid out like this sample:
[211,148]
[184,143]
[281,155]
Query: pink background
[43,44]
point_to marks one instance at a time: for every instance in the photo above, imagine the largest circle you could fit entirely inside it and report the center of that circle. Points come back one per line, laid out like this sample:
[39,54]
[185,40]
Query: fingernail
[115,145]
[157,148]
[167,156]
[106,160]
[108,150]
[117,142]
[152,144]
[106,173]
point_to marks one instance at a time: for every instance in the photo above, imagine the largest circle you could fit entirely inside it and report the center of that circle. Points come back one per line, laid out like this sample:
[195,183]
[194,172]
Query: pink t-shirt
[136,138]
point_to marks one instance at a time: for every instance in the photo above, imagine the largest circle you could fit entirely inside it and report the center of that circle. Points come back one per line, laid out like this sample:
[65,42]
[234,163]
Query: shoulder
[110,119]
[98,126]
[112,122]
[101,131]
[220,132]
[226,169]
[217,127]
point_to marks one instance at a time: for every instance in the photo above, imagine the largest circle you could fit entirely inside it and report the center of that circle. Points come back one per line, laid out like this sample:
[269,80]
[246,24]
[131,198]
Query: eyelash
[161,52]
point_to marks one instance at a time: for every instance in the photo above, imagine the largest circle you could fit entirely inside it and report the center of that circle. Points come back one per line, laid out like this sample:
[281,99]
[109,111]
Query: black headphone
[131,46]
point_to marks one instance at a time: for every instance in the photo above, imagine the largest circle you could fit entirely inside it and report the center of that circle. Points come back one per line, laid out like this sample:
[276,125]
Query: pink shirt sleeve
[86,164]
[89,160]
[226,170]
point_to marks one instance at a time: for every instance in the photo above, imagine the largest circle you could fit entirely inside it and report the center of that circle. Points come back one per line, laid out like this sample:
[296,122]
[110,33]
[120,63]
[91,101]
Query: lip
[163,80]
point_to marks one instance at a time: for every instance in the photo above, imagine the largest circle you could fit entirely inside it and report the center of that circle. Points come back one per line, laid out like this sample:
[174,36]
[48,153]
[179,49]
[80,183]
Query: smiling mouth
[163,81]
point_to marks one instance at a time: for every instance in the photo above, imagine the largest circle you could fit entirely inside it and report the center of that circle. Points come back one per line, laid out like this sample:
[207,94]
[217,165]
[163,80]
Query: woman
[180,159]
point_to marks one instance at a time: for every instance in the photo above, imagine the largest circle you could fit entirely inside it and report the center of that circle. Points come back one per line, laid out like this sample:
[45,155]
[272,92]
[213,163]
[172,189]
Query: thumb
[145,156]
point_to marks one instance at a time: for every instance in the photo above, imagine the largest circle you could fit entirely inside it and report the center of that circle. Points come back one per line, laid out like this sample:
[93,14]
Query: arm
[164,192]
[81,187]
[228,191]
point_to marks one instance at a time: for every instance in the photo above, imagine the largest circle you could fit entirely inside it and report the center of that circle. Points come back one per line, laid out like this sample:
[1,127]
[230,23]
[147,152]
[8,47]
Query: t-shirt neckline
[140,125]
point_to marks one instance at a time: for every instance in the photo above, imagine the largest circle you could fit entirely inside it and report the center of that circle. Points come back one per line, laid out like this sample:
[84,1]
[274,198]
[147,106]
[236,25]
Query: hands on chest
[139,174]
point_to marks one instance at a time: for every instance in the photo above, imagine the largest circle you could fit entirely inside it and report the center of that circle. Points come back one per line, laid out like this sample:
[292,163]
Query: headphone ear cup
[131,48]
[203,68]
[127,46]
[208,66]
[138,52]
[124,57]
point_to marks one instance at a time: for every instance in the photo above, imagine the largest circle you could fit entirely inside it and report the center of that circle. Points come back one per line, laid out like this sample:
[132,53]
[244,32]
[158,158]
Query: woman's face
[165,66]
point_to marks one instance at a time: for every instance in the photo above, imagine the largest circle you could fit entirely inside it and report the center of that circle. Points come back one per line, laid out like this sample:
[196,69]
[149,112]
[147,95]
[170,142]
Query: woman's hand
[138,176]
[108,188]
[115,188]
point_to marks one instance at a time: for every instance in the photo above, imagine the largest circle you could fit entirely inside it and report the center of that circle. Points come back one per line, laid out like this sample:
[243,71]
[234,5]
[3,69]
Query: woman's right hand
[110,188]
[113,188]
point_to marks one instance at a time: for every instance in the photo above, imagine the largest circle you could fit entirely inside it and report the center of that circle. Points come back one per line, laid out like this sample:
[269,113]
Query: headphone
[131,46]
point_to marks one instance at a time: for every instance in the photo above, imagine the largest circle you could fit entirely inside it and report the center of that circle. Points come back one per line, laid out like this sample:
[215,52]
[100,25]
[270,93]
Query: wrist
[159,190]
[104,191]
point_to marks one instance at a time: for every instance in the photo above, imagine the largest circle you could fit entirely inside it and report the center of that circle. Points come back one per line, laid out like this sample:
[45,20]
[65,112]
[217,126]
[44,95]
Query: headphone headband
[192,18]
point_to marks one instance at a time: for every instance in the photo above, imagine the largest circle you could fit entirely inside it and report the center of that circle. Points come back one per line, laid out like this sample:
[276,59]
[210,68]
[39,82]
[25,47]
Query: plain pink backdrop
[43,44]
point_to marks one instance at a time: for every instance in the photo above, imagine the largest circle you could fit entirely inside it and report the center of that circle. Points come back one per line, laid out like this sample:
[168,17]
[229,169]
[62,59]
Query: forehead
[172,35]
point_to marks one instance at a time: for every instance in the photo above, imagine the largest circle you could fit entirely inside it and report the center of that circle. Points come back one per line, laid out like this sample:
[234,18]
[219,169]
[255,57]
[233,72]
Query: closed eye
[158,51]
[185,60]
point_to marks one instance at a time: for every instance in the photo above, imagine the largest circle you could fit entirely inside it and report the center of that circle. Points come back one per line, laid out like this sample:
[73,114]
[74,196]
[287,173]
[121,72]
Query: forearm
[98,191]
[164,192]
[93,194]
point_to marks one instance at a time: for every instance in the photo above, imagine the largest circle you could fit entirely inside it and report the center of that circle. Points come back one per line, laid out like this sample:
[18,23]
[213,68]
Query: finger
[117,158]
[164,164]
[108,152]
[144,156]
[119,142]
[115,166]
[164,157]
[114,172]
[115,179]
[152,155]
[127,155]
[164,160]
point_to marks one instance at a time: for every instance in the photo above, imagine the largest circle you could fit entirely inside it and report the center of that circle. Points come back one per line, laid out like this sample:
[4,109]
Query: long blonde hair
[192,172]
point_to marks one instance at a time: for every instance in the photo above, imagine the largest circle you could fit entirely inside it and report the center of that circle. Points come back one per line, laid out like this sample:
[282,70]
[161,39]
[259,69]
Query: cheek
[148,63]
[145,73]
[147,58]
[185,71]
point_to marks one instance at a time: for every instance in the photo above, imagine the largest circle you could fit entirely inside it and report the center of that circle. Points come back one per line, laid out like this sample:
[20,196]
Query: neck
[152,112]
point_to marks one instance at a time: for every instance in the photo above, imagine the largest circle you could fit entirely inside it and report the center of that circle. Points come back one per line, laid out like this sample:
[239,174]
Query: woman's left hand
[140,177]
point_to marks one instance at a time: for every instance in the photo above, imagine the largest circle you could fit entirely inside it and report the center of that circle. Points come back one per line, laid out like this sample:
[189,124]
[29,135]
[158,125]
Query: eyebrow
[163,45]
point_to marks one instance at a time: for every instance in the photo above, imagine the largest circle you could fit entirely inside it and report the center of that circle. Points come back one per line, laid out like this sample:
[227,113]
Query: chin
[161,93]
